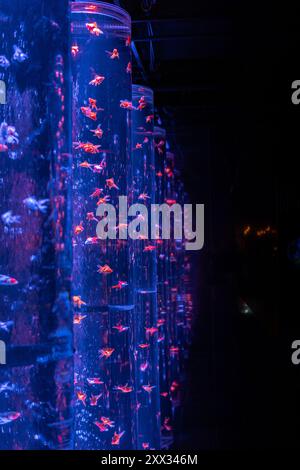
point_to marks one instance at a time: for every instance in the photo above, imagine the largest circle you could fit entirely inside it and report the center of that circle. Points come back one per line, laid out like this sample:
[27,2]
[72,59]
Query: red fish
[94,399]
[116,438]
[78,319]
[74,50]
[97,193]
[114,54]
[87,147]
[106,352]
[149,118]
[148,388]
[77,301]
[105,269]
[91,216]
[107,422]
[128,41]
[87,165]
[166,424]
[125,104]
[144,366]
[97,132]
[94,29]
[121,328]
[149,248]
[7,280]
[145,445]
[120,285]
[151,331]
[3,148]
[79,229]
[102,427]
[142,103]
[91,240]
[129,68]
[110,183]
[103,200]
[144,346]
[94,381]
[86,110]
[124,388]
[97,80]
[82,397]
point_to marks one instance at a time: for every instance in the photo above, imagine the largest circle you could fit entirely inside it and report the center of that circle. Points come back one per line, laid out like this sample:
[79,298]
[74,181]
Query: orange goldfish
[105,269]
[77,301]
[121,328]
[86,165]
[79,229]
[106,352]
[94,381]
[124,388]
[114,54]
[142,103]
[94,29]
[82,397]
[74,50]
[78,319]
[97,132]
[103,200]
[97,80]
[149,248]
[86,110]
[116,438]
[97,193]
[90,217]
[148,388]
[111,183]
[129,68]
[107,422]
[120,285]
[101,426]
[125,104]
[94,399]
[149,118]
[151,331]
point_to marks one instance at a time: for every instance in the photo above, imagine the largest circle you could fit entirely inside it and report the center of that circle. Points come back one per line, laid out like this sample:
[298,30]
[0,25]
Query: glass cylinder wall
[36,379]
[144,273]
[102,291]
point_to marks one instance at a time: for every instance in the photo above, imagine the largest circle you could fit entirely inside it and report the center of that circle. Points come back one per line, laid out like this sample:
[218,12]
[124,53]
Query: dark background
[222,73]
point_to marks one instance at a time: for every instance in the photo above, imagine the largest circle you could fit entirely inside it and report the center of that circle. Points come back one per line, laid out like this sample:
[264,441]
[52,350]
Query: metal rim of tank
[140,90]
[98,7]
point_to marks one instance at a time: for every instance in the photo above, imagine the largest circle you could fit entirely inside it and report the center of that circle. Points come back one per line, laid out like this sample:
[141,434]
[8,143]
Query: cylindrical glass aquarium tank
[144,274]
[163,293]
[36,381]
[101,288]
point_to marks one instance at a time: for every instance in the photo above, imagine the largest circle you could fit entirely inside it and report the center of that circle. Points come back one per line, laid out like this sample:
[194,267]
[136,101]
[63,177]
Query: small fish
[110,183]
[120,285]
[114,54]
[149,118]
[101,426]
[125,104]
[171,202]
[98,132]
[87,147]
[174,350]
[149,248]
[8,417]
[7,281]
[9,219]
[94,29]
[138,146]
[94,381]
[151,331]
[148,388]
[103,200]
[94,399]
[3,148]
[87,165]
[77,301]
[86,110]
[79,229]
[5,326]
[106,352]
[82,397]
[124,388]
[35,205]
[97,80]
[129,68]
[142,103]
[174,386]
[128,41]
[144,346]
[143,197]
[97,193]
[19,55]
[74,50]
[121,328]
[116,438]
[77,320]
[144,366]
[164,394]
[104,269]
[4,62]
[107,422]
[91,217]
